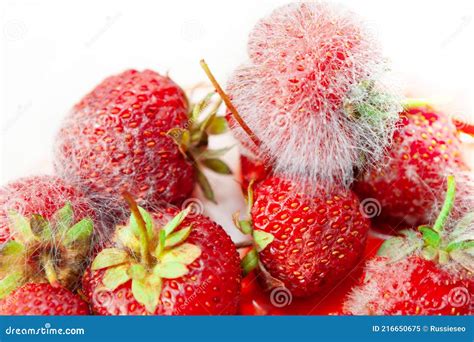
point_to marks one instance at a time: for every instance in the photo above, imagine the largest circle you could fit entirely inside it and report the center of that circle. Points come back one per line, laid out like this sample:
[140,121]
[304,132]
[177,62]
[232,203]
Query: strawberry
[43,299]
[429,272]
[133,131]
[255,301]
[48,227]
[41,195]
[251,170]
[165,263]
[304,243]
[426,148]
[316,92]
[412,286]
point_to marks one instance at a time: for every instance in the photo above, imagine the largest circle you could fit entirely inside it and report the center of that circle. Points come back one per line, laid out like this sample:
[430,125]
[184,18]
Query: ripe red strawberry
[255,301]
[305,243]
[165,265]
[251,170]
[43,299]
[426,148]
[426,273]
[47,227]
[133,133]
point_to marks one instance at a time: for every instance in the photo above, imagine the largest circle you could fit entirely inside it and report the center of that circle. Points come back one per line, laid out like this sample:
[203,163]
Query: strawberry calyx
[146,254]
[192,141]
[42,250]
[434,242]
[366,101]
[260,239]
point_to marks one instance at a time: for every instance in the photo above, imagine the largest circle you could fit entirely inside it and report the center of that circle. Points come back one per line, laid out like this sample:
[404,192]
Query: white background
[54,52]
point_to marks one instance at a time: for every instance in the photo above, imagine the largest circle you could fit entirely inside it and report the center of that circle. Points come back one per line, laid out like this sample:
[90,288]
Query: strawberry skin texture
[212,286]
[412,286]
[115,139]
[42,195]
[44,300]
[425,148]
[317,240]
[251,169]
[255,301]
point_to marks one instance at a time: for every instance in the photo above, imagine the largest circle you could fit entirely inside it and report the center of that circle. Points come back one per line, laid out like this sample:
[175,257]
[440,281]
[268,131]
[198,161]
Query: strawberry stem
[229,104]
[447,205]
[144,243]
[244,244]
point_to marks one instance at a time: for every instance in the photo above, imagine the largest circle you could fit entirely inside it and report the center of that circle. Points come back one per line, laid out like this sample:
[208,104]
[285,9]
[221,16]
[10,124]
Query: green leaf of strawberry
[250,261]
[147,292]
[435,244]
[161,243]
[170,270]
[262,239]
[10,282]
[110,257]
[21,227]
[176,221]
[82,230]
[205,186]
[192,141]
[11,248]
[40,227]
[431,237]
[178,237]
[64,217]
[148,223]
[50,250]
[185,254]
[116,276]
[217,165]
[399,247]
[218,125]
[163,254]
